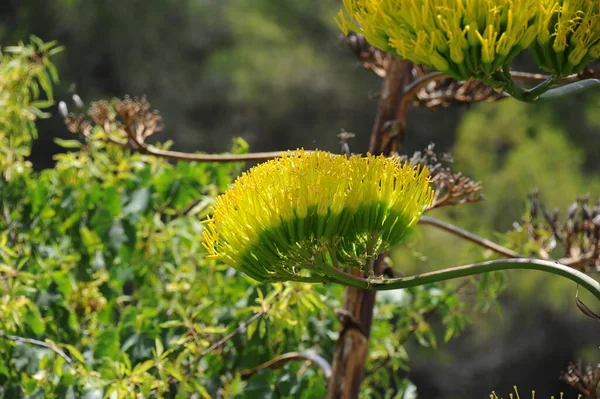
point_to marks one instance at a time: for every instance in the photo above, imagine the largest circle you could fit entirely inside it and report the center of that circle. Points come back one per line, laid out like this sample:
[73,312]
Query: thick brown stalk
[356,318]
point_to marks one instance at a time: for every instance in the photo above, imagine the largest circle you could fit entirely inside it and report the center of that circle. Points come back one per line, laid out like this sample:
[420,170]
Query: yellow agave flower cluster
[568,35]
[285,218]
[474,38]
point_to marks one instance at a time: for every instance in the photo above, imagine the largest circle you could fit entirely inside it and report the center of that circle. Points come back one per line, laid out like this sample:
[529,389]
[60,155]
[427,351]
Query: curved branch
[467,235]
[570,89]
[418,84]
[578,277]
[579,262]
[36,342]
[282,360]
[576,263]
[239,329]
[382,284]
[217,345]
[526,76]
[413,88]
[185,156]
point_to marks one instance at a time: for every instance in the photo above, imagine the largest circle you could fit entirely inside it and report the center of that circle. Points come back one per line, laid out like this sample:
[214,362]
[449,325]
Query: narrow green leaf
[68,143]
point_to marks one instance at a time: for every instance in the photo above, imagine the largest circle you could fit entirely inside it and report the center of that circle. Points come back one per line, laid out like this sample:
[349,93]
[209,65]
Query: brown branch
[282,360]
[222,341]
[243,325]
[36,342]
[184,156]
[531,77]
[383,133]
[352,345]
[587,73]
[579,262]
[232,334]
[129,122]
[585,381]
[192,157]
[416,85]
[467,235]
[9,275]
[576,263]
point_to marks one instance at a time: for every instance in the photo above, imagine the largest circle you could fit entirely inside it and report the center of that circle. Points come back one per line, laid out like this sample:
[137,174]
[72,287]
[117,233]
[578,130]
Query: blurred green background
[276,73]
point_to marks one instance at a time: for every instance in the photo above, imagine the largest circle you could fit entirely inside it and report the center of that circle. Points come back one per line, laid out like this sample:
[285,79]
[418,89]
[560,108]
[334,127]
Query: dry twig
[129,122]
[282,360]
[450,188]
[585,381]
[42,344]
[578,235]
[467,235]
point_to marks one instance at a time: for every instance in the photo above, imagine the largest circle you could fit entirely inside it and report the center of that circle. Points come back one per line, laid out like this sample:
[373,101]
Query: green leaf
[65,282]
[107,345]
[93,394]
[159,347]
[262,328]
[201,389]
[116,235]
[40,104]
[171,324]
[138,202]
[240,146]
[141,368]
[250,329]
[68,143]
[34,321]
[131,341]
[75,353]
[112,202]
[449,332]
[173,371]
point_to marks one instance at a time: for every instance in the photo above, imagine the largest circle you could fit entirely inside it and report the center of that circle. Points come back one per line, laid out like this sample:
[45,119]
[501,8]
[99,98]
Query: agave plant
[479,38]
[321,217]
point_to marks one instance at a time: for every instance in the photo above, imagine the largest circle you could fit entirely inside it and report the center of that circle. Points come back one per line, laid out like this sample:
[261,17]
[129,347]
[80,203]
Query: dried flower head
[279,219]
[463,38]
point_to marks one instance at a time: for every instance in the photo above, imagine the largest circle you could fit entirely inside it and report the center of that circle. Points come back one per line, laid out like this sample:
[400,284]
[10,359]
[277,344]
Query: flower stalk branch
[282,360]
[383,284]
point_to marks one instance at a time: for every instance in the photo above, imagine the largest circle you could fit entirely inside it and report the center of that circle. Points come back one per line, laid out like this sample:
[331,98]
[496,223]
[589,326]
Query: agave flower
[463,38]
[293,217]
[568,36]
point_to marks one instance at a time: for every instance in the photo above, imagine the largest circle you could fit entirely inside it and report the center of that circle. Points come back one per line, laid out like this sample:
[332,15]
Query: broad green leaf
[73,351]
[33,319]
[138,201]
[107,344]
[159,347]
[116,235]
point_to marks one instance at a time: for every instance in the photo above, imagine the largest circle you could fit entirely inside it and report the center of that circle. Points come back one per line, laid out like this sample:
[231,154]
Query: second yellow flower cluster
[474,38]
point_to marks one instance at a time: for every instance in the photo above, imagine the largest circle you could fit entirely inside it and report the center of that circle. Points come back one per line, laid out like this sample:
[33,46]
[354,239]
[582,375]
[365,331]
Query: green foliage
[101,256]
[101,264]
[27,73]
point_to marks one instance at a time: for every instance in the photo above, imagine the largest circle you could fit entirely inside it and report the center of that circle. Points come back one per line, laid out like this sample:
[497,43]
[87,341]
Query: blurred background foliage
[276,74]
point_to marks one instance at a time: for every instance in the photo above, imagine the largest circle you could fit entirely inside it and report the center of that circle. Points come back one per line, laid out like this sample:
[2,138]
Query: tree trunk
[357,315]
